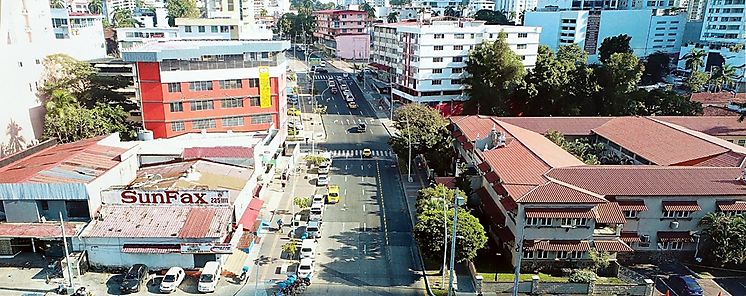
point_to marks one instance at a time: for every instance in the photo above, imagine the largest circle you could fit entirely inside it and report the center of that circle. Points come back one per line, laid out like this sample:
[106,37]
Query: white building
[696,10]
[478,5]
[430,58]
[651,30]
[28,37]
[514,8]
[130,37]
[245,9]
[221,29]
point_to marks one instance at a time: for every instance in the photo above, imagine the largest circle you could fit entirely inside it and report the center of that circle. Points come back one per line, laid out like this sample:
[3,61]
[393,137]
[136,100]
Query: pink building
[343,33]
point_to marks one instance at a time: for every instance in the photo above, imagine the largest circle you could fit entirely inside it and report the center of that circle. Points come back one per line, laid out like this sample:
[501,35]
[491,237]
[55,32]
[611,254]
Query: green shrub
[582,276]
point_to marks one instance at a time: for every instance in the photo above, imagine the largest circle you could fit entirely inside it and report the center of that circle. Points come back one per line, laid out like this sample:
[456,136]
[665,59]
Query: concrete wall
[121,174]
[106,252]
[353,46]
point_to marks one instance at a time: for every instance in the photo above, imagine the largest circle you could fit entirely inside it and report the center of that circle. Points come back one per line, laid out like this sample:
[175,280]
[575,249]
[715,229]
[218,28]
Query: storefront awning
[559,213]
[612,246]
[380,66]
[484,167]
[250,214]
[150,249]
[36,230]
[686,206]
[610,213]
[558,245]
[492,177]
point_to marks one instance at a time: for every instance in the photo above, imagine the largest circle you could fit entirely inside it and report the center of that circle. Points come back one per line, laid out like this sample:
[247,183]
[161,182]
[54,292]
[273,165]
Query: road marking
[345,191]
[363,188]
[362,179]
[361,167]
[365,226]
[383,205]
[363,206]
[345,177]
[345,170]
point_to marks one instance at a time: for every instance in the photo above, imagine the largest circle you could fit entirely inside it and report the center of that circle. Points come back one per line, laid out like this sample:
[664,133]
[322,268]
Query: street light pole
[457,201]
[409,140]
[445,239]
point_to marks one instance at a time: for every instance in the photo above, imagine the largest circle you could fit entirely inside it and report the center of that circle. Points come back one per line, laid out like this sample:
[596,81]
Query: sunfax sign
[167,197]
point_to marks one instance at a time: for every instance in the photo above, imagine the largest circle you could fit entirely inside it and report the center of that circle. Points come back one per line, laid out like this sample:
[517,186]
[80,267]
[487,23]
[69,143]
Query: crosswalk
[325,77]
[359,153]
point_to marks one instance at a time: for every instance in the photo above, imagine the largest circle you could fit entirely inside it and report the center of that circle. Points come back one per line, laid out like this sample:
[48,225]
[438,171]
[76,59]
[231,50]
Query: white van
[210,276]
[307,248]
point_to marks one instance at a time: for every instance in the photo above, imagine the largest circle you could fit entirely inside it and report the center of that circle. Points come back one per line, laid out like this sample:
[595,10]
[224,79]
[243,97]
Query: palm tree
[122,18]
[17,142]
[369,10]
[57,3]
[59,100]
[393,17]
[695,59]
[724,75]
[95,7]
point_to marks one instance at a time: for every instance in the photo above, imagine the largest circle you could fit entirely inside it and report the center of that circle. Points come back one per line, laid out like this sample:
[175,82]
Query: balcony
[605,230]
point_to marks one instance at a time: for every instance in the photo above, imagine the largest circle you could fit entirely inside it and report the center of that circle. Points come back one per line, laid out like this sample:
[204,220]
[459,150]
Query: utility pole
[409,140]
[457,201]
[67,253]
[445,239]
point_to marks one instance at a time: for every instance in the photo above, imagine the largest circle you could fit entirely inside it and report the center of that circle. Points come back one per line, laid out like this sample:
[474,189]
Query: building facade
[651,30]
[190,86]
[131,37]
[221,29]
[343,33]
[429,59]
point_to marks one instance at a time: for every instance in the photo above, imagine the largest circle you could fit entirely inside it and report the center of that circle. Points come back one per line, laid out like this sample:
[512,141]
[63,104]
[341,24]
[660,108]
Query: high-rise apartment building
[429,59]
[343,33]
[189,86]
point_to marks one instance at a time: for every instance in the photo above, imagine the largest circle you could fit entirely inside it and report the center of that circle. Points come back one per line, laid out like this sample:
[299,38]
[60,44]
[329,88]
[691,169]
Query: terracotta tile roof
[711,125]
[674,236]
[717,111]
[731,205]
[560,213]
[728,159]
[473,126]
[643,180]
[568,126]
[130,221]
[717,99]
[686,206]
[150,249]
[224,151]
[630,237]
[558,245]
[78,162]
[515,191]
[671,146]
[37,230]
[556,193]
[610,213]
[492,177]
[633,205]
[611,246]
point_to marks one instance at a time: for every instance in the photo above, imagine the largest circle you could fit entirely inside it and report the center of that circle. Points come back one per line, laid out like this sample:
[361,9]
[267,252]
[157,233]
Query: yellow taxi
[352,105]
[333,196]
[292,111]
[367,153]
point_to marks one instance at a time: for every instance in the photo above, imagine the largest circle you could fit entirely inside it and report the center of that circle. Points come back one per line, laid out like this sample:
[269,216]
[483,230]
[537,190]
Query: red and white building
[557,209]
[211,85]
[343,33]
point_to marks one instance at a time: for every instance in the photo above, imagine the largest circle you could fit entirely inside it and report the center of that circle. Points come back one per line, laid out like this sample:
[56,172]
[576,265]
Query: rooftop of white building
[180,49]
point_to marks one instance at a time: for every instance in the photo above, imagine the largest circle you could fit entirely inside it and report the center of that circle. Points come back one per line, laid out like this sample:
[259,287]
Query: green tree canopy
[664,103]
[695,59]
[724,75]
[368,9]
[612,45]
[491,17]
[495,71]
[392,17]
[696,81]
[429,232]
[122,18]
[73,123]
[400,2]
[428,132]
[725,235]
[181,8]
[436,193]
[657,67]
[95,7]
[580,148]
[617,77]
[299,25]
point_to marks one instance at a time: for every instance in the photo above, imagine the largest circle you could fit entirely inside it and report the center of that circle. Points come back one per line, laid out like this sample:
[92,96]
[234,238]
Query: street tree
[290,248]
[181,8]
[57,3]
[657,67]
[302,202]
[437,193]
[495,72]
[61,71]
[696,81]
[612,45]
[316,159]
[95,7]
[722,76]
[664,103]
[725,237]
[393,17]
[429,232]
[618,76]
[122,18]
[74,122]
[580,148]
[695,59]
[491,17]
[428,132]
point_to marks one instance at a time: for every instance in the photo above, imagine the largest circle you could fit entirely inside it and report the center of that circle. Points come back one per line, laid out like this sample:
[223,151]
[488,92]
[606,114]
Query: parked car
[307,248]
[317,212]
[318,198]
[305,269]
[172,280]
[686,285]
[135,277]
[314,229]
[210,277]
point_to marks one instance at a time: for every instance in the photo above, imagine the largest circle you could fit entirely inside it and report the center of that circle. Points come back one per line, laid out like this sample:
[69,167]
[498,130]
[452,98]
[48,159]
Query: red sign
[167,197]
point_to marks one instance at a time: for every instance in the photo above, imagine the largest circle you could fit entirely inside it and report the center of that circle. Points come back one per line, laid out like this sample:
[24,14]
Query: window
[201,29]
[231,103]
[44,205]
[539,221]
[230,84]
[439,36]
[200,85]
[438,47]
[741,142]
[214,29]
[457,70]
[458,59]
[231,6]
[174,87]
[177,107]
[253,82]
[233,121]
[254,101]
[528,254]
[574,221]
[569,254]
[177,126]
[458,47]
[437,82]
[203,123]
[225,29]
[673,245]
[258,119]
[456,82]
[522,35]
[458,36]
[541,254]
[201,105]
[522,46]
[437,71]
[437,60]
[631,214]
[676,214]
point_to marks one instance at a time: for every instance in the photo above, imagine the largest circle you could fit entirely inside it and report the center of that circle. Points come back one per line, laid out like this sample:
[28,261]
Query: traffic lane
[346,290]
[358,93]
[734,286]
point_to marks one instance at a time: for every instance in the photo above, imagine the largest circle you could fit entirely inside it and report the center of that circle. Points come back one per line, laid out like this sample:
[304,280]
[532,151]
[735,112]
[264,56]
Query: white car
[318,198]
[343,86]
[332,83]
[172,280]
[322,64]
[306,268]
[322,180]
[317,211]
[345,75]
[295,125]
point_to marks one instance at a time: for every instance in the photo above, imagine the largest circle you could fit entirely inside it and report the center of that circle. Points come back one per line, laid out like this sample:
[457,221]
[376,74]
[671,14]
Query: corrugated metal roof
[78,162]
[38,230]
[150,249]
[220,151]
[160,221]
